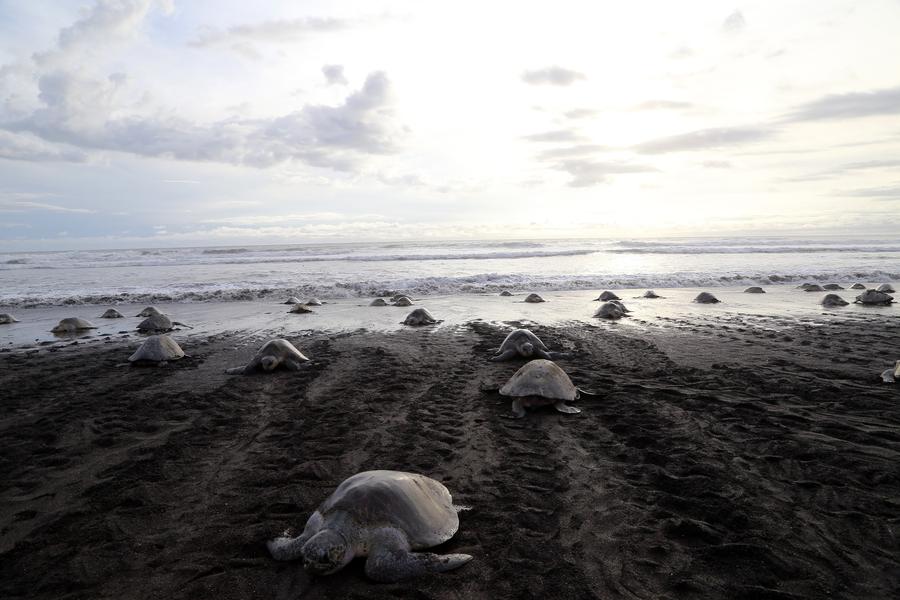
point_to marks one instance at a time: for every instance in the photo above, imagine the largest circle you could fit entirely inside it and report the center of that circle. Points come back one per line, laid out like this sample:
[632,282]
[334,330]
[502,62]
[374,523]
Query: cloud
[83,113]
[279,30]
[14,202]
[663,105]
[735,23]
[681,52]
[334,74]
[849,106]
[581,113]
[570,151]
[890,192]
[839,170]
[552,76]
[717,164]
[704,139]
[29,147]
[586,173]
[559,135]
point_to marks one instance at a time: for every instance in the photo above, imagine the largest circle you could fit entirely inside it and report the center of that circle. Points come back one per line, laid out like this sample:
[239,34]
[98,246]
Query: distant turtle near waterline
[620,305]
[148,312]
[378,302]
[403,301]
[521,343]
[381,515]
[396,297]
[857,286]
[314,302]
[506,293]
[813,288]
[420,316]
[6,319]
[72,325]
[606,297]
[541,383]
[833,300]
[754,290]
[273,354]
[300,309]
[650,294]
[886,288]
[157,349]
[891,375]
[803,286]
[533,299]
[112,313]
[832,287]
[158,323]
[874,298]
[706,298]
[292,300]
[608,310]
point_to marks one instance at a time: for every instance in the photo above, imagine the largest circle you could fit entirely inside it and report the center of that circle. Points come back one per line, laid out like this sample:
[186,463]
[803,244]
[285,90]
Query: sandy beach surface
[742,450]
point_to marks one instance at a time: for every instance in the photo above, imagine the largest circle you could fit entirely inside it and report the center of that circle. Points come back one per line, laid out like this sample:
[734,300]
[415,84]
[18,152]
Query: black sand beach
[737,458]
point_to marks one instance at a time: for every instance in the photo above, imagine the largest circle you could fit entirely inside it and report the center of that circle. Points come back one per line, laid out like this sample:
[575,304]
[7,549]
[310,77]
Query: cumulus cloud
[334,74]
[558,135]
[849,106]
[29,147]
[279,30]
[735,23]
[552,76]
[586,173]
[82,112]
[704,139]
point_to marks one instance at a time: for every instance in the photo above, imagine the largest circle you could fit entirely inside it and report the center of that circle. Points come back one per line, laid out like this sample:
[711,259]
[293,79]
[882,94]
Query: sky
[144,123]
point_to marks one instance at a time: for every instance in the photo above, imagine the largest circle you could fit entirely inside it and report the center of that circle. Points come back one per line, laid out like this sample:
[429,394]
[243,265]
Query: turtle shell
[541,378]
[5,319]
[650,294]
[112,313]
[607,296]
[417,505]
[280,349]
[874,297]
[403,301]
[505,293]
[857,286]
[533,298]
[72,324]
[520,336]
[420,316]
[314,302]
[300,308]
[608,310]
[706,298]
[157,348]
[292,300]
[833,300]
[813,288]
[832,287]
[158,322]
[754,290]
[148,312]
[885,288]
[378,302]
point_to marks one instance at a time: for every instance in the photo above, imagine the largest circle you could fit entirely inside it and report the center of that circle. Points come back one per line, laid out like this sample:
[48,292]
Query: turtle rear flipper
[390,559]
[565,408]
[888,376]
[507,355]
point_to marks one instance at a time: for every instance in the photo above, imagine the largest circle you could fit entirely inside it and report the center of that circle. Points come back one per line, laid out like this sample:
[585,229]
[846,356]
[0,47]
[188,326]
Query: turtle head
[268,363]
[326,552]
[526,349]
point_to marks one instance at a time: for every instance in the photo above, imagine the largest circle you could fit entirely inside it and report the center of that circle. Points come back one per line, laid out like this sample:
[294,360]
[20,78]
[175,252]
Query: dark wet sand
[740,458]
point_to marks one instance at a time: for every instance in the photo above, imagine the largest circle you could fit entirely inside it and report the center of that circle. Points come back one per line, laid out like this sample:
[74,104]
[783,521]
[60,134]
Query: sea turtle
[891,375]
[396,297]
[273,354]
[886,288]
[533,298]
[378,302]
[506,293]
[112,313]
[540,383]
[620,305]
[803,286]
[300,308]
[521,342]
[833,300]
[857,286]
[148,312]
[420,316]
[157,349]
[606,297]
[158,323]
[314,302]
[608,310]
[72,324]
[651,294]
[403,301]
[381,515]
[874,297]
[706,298]
[754,290]
[813,288]
[6,319]
[292,300]
[832,287]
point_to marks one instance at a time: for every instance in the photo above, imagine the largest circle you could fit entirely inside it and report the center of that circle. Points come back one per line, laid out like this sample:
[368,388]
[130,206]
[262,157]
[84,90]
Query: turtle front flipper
[518,410]
[390,559]
[508,355]
[236,370]
[565,408]
[288,548]
[888,376]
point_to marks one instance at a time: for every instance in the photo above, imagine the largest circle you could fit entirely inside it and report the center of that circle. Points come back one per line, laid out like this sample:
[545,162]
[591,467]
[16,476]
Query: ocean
[363,270]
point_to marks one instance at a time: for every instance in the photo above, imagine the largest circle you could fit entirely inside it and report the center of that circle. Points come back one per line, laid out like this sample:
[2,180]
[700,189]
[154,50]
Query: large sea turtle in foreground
[521,343]
[274,354]
[384,516]
[420,316]
[754,290]
[833,300]
[891,375]
[886,288]
[72,325]
[112,313]
[874,298]
[706,298]
[608,310]
[541,383]
[6,319]
[533,298]
[157,349]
